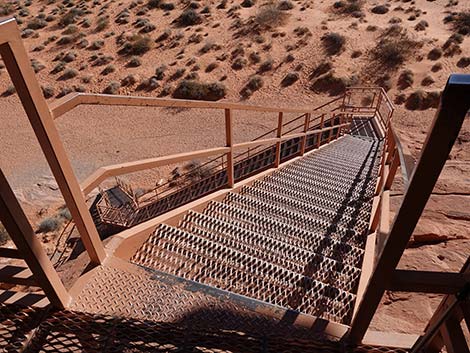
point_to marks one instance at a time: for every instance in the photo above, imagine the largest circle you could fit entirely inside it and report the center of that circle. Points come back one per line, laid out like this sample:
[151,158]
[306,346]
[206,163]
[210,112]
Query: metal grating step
[291,257]
[343,246]
[190,256]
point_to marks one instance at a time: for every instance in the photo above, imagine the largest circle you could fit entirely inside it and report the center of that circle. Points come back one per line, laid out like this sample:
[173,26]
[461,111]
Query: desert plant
[239,63]
[427,81]
[47,91]
[9,91]
[112,88]
[108,69]
[129,80]
[266,65]
[96,45]
[394,47]
[405,79]
[269,16]
[285,5]
[460,22]
[160,72]
[463,62]
[70,29]
[436,67]
[212,66]
[290,79]
[332,84]
[435,54]
[6,8]
[4,237]
[102,23]
[333,43]
[68,74]
[137,45]
[350,7]
[189,17]
[64,213]
[421,100]
[134,62]
[188,89]
[37,23]
[379,9]
[49,224]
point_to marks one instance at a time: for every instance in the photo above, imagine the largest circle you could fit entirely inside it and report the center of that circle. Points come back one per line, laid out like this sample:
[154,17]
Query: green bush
[49,224]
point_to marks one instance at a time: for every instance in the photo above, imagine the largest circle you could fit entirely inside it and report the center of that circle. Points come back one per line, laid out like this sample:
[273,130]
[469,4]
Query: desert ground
[287,53]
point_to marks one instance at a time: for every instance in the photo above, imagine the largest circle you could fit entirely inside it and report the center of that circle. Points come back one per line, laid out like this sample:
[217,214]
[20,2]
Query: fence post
[19,68]
[29,247]
[229,143]
[277,160]
[320,135]
[304,138]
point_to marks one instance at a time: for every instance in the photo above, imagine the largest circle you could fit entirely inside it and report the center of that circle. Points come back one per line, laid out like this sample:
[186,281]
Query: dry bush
[463,62]
[333,43]
[255,82]
[332,84]
[112,88]
[49,224]
[290,79]
[188,89]
[137,45]
[6,8]
[421,100]
[349,7]
[270,16]
[189,17]
[102,23]
[459,22]
[379,9]
[4,237]
[394,47]
[36,23]
[406,79]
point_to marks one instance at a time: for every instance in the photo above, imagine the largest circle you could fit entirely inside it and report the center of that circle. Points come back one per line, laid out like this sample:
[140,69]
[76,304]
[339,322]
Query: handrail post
[304,138]
[19,68]
[229,143]
[452,110]
[18,227]
[320,135]
[277,160]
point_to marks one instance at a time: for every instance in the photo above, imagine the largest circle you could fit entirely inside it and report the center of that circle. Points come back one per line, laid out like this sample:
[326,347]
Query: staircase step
[172,250]
[278,252]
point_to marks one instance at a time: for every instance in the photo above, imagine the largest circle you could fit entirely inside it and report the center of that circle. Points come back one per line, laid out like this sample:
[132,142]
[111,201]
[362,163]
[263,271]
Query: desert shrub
[58,68]
[421,25]
[356,53]
[247,3]
[212,66]
[70,29]
[65,213]
[436,67]
[421,100]
[66,40]
[9,91]
[266,65]
[70,17]
[69,57]
[137,45]
[167,6]
[394,47]
[103,60]
[187,89]
[68,74]
[49,224]
[129,80]
[379,9]
[37,66]
[96,45]
[134,62]
[332,84]
[463,62]
[4,237]
[254,83]
[6,8]
[239,63]
[112,88]
[349,7]
[427,81]
[64,91]
[384,81]
[435,54]
[285,5]
[26,33]
[48,91]
[189,17]
[153,4]
[160,72]
[37,23]
[459,22]
[108,69]
[102,23]
[290,79]
[165,35]
[333,43]
[405,79]
[269,16]
[321,69]
[254,57]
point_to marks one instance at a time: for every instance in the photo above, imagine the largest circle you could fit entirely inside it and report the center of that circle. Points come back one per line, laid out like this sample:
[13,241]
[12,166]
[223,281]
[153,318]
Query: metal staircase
[295,239]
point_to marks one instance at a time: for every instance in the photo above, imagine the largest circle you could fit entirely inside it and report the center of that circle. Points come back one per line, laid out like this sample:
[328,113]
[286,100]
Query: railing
[328,123]
[388,241]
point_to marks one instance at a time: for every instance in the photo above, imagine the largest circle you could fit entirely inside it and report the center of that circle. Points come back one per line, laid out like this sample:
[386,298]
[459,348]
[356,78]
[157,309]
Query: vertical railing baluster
[304,138]
[229,143]
[277,160]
